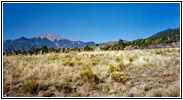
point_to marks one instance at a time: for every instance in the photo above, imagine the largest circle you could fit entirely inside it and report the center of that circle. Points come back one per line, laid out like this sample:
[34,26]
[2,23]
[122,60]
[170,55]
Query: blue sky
[98,22]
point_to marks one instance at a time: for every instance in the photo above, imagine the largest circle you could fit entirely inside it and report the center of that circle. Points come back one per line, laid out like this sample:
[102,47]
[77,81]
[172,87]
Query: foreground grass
[135,73]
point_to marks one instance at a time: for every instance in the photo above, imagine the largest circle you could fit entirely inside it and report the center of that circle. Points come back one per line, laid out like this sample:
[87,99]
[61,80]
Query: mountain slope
[167,36]
[49,40]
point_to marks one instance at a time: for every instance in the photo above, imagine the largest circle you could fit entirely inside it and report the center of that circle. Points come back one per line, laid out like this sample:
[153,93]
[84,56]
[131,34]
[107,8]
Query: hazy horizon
[97,22]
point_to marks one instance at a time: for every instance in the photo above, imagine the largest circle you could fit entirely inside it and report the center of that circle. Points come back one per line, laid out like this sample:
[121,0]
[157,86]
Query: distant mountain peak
[51,37]
[72,39]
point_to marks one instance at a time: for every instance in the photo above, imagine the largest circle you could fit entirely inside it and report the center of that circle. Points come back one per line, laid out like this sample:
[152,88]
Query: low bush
[112,68]
[63,86]
[121,66]
[117,59]
[68,62]
[54,57]
[131,59]
[88,76]
[31,86]
[119,77]
[95,62]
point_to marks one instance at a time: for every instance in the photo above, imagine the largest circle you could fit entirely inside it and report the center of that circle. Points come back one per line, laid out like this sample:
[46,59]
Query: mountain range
[49,40]
[56,41]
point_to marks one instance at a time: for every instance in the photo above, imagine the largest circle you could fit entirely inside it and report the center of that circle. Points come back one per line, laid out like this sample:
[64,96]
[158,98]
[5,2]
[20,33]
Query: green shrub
[95,62]
[92,55]
[54,57]
[119,77]
[79,63]
[85,67]
[68,62]
[88,76]
[63,86]
[112,68]
[131,59]
[67,56]
[121,66]
[117,59]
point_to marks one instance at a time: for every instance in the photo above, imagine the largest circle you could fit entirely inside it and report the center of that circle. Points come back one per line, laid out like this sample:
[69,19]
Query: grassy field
[128,73]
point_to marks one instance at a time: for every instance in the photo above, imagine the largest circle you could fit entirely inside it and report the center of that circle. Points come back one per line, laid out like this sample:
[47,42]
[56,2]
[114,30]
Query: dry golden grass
[135,73]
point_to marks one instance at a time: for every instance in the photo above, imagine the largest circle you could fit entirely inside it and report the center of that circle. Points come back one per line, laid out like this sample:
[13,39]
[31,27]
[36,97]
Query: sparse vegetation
[125,73]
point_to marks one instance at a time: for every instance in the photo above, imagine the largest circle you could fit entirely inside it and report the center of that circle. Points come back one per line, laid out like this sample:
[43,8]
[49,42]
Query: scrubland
[127,73]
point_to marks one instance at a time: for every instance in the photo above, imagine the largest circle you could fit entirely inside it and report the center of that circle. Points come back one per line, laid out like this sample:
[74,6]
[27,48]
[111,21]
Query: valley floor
[128,73]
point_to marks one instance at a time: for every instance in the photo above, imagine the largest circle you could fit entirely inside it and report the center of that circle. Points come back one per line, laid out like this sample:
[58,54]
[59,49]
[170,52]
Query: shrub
[95,62]
[68,62]
[131,59]
[79,63]
[85,67]
[112,68]
[92,55]
[119,77]
[54,57]
[121,66]
[67,56]
[88,76]
[31,86]
[117,59]
[63,86]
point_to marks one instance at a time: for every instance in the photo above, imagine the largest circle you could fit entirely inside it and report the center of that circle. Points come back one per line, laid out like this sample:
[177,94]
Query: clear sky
[98,22]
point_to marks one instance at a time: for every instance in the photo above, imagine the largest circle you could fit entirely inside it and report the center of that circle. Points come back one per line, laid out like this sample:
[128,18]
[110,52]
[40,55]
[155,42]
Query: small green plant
[117,59]
[121,66]
[92,55]
[112,68]
[54,57]
[95,62]
[131,59]
[88,76]
[67,56]
[119,76]
[68,62]
[63,86]
[79,63]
